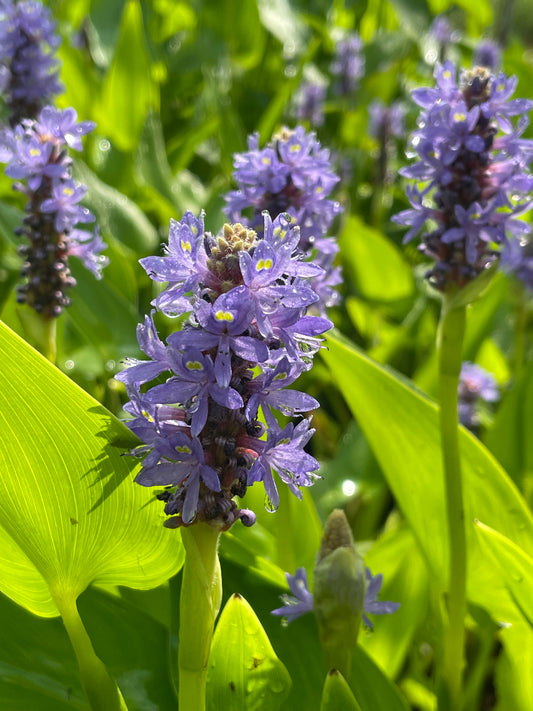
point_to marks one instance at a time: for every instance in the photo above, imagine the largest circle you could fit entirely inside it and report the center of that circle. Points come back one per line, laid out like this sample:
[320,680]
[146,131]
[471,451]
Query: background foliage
[175,88]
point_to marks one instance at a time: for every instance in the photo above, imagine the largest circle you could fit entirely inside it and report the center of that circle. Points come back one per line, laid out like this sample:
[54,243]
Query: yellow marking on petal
[265,160]
[186,245]
[319,189]
[278,232]
[194,229]
[183,450]
[284,441]
[147,415]
[264,264]
[194,365]
[35,152]
[295,148]
[475,216]
[280,376]
[68,191]
[459,116]
[447,74]
[500,87]
[224,315]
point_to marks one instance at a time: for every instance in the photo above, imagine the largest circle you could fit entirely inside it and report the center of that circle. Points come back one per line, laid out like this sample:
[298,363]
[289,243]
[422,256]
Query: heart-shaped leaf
[70,513]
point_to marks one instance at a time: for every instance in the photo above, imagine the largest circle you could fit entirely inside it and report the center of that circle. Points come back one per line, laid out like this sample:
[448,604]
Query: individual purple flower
[472,172]
[348,65]
[517,259]
[35,153]
[488,54]
[292,175]
[28,68]
[475,385]
[301,601]
[228,359]
[372,605]
[308,103]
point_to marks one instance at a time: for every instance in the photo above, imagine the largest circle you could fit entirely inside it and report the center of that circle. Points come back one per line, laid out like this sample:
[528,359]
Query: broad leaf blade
[244,671]
[68,506]
[401,426]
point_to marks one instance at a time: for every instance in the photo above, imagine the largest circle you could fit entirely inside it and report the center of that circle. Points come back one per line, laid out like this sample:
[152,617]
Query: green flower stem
[451,334]
[101,689]
[201,595]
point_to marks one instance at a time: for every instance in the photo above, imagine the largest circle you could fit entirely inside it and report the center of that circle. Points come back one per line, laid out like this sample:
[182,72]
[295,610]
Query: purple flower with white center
[35,152]
[472,170]
[28,68]
[475,384]
[229,358]
[301,602]
[488,54]
[291,175]
[308,104]
[348,64]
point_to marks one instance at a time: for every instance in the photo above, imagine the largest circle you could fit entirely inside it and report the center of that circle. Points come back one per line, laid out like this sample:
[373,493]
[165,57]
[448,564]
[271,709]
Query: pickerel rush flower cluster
[36,155]
[472,172]
[28,69]
[291,174]
[348,64]
[246,338]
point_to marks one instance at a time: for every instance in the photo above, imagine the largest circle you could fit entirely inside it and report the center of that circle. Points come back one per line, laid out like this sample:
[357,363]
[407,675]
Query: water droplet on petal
[269,506]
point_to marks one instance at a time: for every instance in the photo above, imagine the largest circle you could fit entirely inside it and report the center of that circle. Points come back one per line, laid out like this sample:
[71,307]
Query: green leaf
[38,669]
[337,695]
[401,426]
[70,513]
[515,567]
[371,687]
[244,671]
[509,437]
[128,90]
[116,214]
[376,265]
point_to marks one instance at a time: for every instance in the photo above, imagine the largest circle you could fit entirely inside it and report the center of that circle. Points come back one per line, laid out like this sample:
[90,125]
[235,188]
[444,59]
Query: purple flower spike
[28,69]
[348,65]
[36,152]
[246,338]
[472,172]
[309,102]
[291,176]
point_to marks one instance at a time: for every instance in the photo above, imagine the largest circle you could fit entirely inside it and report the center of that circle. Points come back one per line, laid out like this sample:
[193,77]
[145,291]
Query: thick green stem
[201,595]
[101,689]
[451,334]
